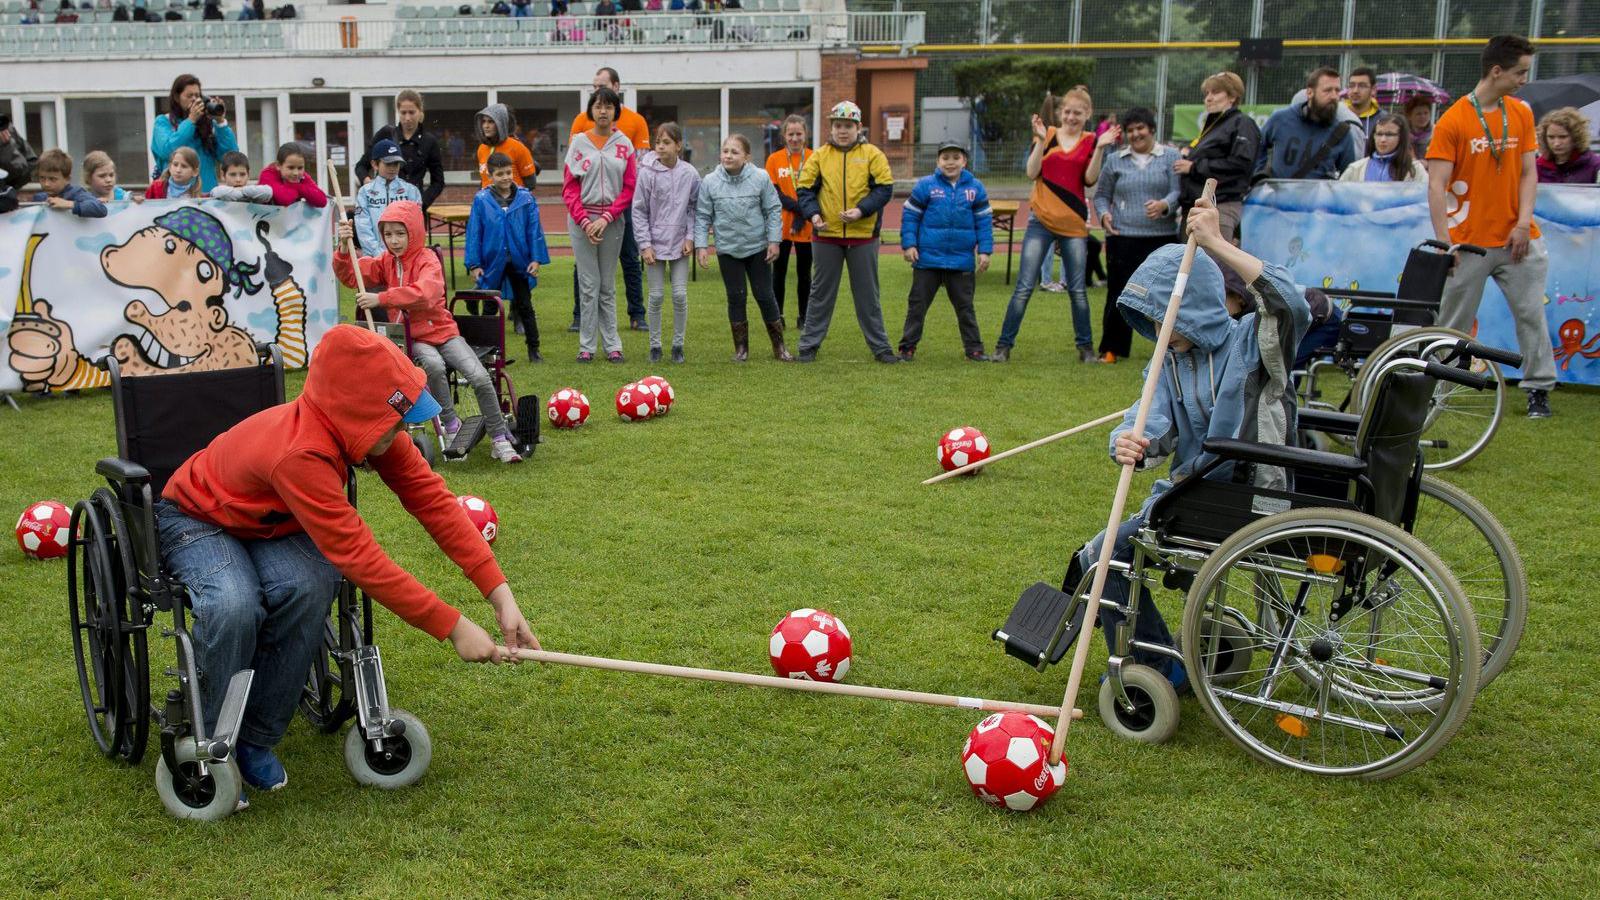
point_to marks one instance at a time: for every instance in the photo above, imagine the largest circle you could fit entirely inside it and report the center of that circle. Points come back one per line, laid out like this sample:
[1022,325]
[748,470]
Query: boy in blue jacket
[1223,377]
[54,173]
[385,187]
[505,245]
[945,218]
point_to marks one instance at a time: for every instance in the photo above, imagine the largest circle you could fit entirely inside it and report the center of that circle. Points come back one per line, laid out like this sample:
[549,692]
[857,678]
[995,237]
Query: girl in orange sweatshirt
[783,167]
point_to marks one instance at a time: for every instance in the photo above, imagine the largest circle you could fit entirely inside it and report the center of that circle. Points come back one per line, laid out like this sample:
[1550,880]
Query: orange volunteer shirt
[783,168]
[1483,197]
[630,123]
[521,160]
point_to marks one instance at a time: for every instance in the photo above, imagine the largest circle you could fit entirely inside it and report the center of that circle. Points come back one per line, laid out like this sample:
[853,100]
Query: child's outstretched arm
[1204,224]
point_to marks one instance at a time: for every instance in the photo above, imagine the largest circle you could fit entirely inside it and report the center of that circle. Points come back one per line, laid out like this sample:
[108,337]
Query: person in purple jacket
[1564,154]
[663,227]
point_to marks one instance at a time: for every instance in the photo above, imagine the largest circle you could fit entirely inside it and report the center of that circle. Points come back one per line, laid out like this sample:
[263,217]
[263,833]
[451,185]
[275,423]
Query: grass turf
[683,540]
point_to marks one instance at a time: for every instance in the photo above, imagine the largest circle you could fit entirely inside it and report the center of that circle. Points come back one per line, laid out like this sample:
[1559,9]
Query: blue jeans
[257,605]
[1074,259]
[1149,627]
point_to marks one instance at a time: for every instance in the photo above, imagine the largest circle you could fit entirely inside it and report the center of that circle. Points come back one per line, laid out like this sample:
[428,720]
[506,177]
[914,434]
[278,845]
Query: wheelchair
[1316,632]
[480,316]
[116,583]
[1380,327]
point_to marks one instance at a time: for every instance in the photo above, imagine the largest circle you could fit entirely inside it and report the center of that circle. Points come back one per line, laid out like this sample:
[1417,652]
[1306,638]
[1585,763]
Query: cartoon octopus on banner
[187,258]
[1571,335]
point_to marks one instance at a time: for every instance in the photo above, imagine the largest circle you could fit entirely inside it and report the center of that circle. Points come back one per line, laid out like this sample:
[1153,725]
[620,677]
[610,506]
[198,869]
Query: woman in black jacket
[1225,150]
[420,148]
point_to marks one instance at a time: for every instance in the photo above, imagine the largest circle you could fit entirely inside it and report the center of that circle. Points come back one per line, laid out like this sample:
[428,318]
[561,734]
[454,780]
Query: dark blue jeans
[1149,627]
[1074,258]
[256,605]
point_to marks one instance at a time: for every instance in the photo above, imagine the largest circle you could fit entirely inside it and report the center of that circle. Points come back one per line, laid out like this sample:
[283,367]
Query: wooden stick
[973,467]
[1102,564]
[790,684]
[355,259]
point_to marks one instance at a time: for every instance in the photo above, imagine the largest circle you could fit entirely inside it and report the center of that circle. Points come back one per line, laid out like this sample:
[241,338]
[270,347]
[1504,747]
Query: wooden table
[1005,214]
[452,218]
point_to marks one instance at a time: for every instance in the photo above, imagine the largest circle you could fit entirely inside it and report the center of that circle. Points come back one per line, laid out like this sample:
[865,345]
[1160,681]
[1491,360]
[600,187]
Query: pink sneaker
[449,429]
[504,451]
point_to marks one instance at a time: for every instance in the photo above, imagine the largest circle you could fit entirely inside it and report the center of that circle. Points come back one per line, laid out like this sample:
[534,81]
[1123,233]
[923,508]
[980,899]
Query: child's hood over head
[363,385]
[1202,316]
[409,214]
[500,115]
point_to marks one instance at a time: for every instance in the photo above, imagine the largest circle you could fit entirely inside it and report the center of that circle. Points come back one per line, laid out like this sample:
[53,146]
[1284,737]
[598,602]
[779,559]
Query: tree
[1005,90]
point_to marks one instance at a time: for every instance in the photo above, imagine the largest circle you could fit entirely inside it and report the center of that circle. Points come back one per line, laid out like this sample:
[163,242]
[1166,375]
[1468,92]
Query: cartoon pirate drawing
[187,259]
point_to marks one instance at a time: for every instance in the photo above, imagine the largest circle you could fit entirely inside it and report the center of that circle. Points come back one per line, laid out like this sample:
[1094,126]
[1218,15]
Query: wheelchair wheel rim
[391,758]
[1144,709]
[92,640]
[191,787]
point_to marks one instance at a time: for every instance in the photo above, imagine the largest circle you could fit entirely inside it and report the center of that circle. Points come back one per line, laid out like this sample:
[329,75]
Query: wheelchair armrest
[1289,457]
[1328,420]
[122,471]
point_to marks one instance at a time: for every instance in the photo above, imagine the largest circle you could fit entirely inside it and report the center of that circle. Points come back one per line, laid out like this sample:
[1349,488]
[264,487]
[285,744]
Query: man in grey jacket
[1310,139]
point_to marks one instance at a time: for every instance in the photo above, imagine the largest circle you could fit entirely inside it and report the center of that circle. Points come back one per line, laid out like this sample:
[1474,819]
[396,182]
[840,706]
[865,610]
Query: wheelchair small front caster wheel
[189,794]
[1154,717]
[397,761]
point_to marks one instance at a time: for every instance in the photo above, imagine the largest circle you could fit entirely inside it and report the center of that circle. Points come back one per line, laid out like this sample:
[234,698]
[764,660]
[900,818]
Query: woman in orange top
[1064,162]
[783,167]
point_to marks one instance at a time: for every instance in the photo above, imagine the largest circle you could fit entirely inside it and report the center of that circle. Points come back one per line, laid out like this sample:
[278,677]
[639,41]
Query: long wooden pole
[350,245]
[1102,565]
[973,467]
[788,684]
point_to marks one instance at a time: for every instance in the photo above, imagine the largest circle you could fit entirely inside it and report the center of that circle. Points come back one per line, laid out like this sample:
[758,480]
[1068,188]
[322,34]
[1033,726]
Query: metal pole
[1347,31]
[1441,26]
[1075,24]
[985,16]
[1534,28]
[1253,71]
[1161,68]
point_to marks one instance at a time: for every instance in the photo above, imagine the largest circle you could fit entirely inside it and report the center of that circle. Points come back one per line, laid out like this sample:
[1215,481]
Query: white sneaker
[503,450]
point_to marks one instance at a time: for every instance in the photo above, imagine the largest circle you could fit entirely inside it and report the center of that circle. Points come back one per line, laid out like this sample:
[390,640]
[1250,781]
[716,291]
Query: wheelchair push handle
[1442,247]
[1459,376]
[1476,350]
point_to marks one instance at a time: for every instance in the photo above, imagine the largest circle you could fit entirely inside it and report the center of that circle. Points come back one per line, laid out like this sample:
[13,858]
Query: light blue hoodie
[743,209]
[373,198]
[1234,382]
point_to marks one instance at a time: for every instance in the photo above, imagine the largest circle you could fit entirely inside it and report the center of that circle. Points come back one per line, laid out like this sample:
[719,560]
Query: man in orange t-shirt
[633,126]
[1481,185]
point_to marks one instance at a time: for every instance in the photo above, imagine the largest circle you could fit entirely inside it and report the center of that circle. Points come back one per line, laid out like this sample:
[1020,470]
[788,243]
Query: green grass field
[684,540]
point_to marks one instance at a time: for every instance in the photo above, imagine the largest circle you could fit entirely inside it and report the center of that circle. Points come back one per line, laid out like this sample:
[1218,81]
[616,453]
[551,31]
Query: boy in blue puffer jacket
[1223,378]
[945,218]
[506,246]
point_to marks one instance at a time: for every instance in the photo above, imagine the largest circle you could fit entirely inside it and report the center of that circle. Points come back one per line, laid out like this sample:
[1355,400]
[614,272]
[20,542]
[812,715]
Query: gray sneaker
[1538,404]
[504,450]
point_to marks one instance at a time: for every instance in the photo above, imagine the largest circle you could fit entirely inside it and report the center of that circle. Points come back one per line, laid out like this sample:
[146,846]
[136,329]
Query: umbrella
[1554,93]
[1398,87]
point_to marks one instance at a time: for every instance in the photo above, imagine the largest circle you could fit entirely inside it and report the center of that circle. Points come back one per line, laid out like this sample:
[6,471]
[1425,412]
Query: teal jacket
[742,209]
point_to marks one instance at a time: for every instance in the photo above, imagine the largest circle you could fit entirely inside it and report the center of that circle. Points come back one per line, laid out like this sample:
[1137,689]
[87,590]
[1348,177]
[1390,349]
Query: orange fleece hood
[361,383]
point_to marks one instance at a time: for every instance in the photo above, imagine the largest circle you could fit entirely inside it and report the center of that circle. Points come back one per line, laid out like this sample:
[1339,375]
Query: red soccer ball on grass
[1006,759]
[663,391]
[635,402]
[962,447]
[810,644]
[482,515]
[568,408]
[43,530]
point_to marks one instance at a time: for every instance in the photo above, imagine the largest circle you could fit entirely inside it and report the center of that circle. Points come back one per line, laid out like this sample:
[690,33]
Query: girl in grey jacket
[597,188]
[738,202]
[663,227]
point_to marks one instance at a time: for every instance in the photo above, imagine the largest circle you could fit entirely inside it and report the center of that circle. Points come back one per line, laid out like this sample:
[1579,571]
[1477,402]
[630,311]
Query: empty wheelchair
[117,583]
[1380,327]
[1316,632]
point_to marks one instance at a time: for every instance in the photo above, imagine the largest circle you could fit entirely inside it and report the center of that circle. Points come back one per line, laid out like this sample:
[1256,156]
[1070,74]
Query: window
[758,115]
[698,113]
[319,103]
[452,117]
[115,125]
[544,119]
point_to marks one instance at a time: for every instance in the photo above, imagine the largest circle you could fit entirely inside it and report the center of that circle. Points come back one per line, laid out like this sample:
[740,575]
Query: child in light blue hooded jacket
[1223,378]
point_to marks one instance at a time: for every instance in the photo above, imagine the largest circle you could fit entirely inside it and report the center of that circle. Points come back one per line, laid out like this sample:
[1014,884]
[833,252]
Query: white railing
[458,34]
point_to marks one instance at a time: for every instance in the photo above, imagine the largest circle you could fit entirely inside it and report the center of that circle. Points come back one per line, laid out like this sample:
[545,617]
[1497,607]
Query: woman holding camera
[196,121]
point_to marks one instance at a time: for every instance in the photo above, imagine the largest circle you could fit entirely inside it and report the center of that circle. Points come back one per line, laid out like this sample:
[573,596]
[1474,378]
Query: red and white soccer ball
[962,447]
[810,644]
[1006,761]
[568,408]
[43,530]
[635,402]
[663,391]
[482,515]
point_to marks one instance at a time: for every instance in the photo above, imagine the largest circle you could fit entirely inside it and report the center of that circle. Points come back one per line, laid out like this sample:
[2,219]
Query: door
[328,137]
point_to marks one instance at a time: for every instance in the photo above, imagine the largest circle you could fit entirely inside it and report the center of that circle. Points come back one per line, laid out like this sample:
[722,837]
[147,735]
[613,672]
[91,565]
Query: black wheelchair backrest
[163,419]
[483,330]
[1390,438]
[1423,278]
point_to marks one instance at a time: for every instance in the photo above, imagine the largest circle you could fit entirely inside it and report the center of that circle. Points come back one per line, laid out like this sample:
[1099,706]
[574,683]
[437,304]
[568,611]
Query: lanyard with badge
[1505,128]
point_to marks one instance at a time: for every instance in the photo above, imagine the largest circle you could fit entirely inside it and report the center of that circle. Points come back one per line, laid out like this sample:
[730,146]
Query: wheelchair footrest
[527,416]
[472,431]
[226,737]
[1037,631]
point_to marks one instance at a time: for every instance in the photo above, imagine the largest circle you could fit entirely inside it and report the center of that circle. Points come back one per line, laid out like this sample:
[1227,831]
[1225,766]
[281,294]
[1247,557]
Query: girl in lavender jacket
[663,225]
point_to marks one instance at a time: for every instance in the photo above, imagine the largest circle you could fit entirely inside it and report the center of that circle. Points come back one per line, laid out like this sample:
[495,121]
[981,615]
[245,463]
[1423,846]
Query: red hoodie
[287,192]
[415,282]
[282,471]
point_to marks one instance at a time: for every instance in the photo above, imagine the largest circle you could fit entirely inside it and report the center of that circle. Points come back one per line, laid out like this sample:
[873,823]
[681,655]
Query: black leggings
[521,306]
[735,272]
[802,274]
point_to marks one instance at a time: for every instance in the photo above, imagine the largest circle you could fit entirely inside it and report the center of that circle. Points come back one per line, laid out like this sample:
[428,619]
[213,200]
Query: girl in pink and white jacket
[597,182]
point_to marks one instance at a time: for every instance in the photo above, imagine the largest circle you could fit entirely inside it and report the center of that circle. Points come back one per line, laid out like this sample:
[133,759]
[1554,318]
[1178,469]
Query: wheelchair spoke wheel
[1361,652]
[94,639]
[1460,420]
[130,622]
[323,701]
[1484,560]
[397,761]
[204,793]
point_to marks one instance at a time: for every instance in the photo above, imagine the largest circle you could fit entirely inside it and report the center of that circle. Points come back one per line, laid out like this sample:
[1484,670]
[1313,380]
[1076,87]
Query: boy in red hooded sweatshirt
[413,281]
[258,529]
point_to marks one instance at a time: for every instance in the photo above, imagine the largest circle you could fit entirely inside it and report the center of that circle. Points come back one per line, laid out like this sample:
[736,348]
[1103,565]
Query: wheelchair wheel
[108,639]
[1154,717]
[1227,646]
[189,794]
[1363,655]
[1460,420]
[400,762]
[323,701]
[427,443]
[1484,560]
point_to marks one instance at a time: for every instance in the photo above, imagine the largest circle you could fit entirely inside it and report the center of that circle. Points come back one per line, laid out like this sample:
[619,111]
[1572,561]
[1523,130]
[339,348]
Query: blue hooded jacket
[944,222]
[497,237]
[1234,382]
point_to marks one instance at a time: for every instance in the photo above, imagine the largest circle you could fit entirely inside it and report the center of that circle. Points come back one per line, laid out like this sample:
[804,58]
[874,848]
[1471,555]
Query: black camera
[214,106]
[5,121]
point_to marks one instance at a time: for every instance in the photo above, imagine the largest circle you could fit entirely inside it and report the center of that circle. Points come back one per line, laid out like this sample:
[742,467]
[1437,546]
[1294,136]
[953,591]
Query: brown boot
[779,351]
[741,341]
